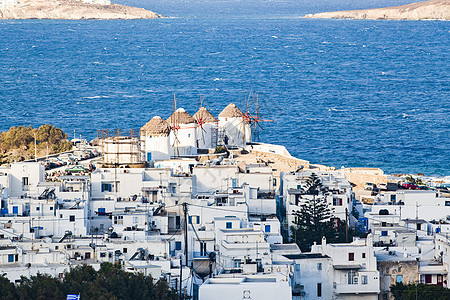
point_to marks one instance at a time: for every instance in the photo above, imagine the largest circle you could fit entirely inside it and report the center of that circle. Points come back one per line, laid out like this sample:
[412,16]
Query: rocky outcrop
[72,10]
[428,10]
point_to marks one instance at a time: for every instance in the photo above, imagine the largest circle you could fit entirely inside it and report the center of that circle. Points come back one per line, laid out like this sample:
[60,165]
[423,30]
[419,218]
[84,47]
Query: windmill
[206,127]
[174,127]
[252,120]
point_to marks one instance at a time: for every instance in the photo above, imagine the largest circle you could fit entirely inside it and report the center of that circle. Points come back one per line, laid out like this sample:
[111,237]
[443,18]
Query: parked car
[382,186]
[369,186]
[410,186]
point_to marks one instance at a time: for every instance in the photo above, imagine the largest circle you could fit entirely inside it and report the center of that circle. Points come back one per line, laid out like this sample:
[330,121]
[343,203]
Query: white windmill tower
[183,134]
[206,129]
[155,140]
[234,130]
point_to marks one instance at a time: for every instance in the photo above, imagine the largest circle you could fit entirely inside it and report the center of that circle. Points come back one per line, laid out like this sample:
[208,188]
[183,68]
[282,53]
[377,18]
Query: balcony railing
[201,254]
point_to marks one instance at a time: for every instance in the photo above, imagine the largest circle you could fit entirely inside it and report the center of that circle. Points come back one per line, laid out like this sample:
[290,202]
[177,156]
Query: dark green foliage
[17,143]
[402,291]
[7,289]
[313,219]
[108,283]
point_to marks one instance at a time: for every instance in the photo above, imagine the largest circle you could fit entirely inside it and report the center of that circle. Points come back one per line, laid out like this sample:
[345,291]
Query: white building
[259,287]
[234,128]
[183,136]
[206,130]
[354,271]
[155,141]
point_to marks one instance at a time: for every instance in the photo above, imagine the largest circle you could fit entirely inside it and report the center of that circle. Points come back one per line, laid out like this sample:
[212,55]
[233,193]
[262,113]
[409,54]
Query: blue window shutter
[177,245]
[190,219]
[15,210]
[198,219]
[267,228]
[149,156]
[384,233]
[101,210]
[229,225]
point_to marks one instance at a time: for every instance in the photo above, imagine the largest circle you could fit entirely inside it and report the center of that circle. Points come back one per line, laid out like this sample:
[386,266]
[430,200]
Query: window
[51,207]
[102,254]
[399,278]
[177,245]
[72,218]
[24,180]
[125,250]
[106,187]
[118,220]
[319,266]
[352,278]
[384,233]
[87,255]
[237,263]
[364,279]
[337,201]
[10,257]
[419,226]
[37,208]
[383,224]
[351,256]
[297,268]
[135,220]
[319,290]
[202,248]
[229,225]
[364,255]
[267,228]
[392,198]
[447,203]
[428,278]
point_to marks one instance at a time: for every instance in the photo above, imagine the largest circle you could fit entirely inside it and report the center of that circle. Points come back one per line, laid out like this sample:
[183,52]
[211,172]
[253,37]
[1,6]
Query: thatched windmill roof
[180,116]
[155,127]
[231,111]
[204,115]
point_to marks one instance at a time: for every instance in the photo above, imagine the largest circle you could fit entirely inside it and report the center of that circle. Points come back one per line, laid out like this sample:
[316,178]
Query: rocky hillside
[72,10]
[428,10]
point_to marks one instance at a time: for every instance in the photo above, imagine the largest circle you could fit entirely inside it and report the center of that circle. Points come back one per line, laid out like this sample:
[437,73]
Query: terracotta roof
[231,111]
[204,115]
[156,126]
[180,116]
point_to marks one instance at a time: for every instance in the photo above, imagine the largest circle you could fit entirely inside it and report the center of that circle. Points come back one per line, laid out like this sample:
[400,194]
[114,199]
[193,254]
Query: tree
[402,291]
[110,282]
[7,289]
[18,143]
[312,221]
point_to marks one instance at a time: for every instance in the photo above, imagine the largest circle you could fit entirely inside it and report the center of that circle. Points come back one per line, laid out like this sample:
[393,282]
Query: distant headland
[71,10]
[427,10]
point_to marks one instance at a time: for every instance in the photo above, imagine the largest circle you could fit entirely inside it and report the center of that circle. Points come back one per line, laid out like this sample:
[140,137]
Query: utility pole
[346,225]
[185,210]
[181,278]
[35,149]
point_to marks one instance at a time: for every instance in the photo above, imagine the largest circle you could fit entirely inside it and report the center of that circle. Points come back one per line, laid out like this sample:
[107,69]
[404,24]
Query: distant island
[427,10]
[71,10]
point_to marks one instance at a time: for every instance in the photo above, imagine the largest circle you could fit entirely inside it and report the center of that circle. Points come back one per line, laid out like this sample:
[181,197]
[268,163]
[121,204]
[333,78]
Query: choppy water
[341,92]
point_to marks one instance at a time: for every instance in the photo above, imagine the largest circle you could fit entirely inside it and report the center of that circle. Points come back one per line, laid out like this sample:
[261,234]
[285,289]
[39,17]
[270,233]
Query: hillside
[428,10]
[71,10]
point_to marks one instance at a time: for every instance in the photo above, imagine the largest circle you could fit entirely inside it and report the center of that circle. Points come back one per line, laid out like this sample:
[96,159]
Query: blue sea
[341,92]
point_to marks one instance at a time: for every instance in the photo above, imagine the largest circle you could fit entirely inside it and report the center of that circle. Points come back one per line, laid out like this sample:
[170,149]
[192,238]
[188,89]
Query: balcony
[201,254]
[372,287]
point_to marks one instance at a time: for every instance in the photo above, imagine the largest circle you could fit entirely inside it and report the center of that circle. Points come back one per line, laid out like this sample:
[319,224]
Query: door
[15,210]
[440,280]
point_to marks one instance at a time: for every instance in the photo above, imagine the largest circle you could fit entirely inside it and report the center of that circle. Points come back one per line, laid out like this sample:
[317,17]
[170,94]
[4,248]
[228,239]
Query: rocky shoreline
[428,10]
[73,10]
